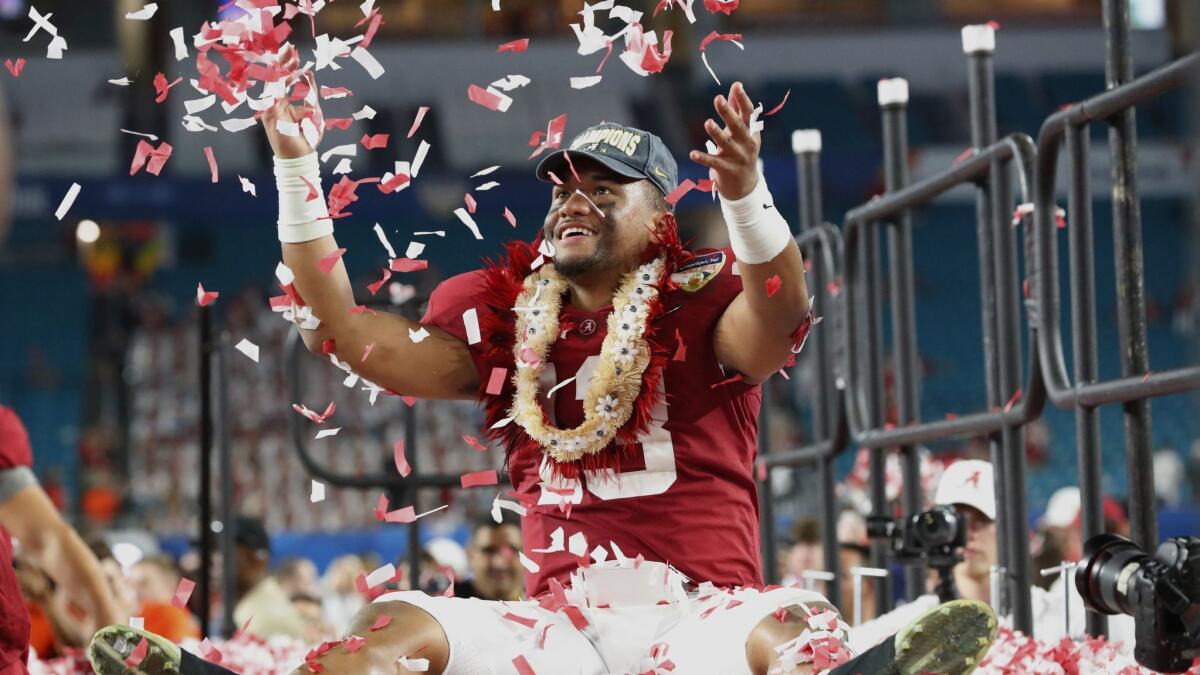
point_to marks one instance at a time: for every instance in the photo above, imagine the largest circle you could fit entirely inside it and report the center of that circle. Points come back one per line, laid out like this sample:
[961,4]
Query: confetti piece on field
[471,322]
[143,14]
[484,172]
[522,666]
[498,504]
[556,543]
[436,233]
[774,283]
[139,653]
[585,81]
[417,120]
[287,128]
[724,6]
[496,381]
[205,298]
[487,186]
[374,142]
[180,46]
[212,162]
[325,433]
[468,221]
[514,46]
[419,158]
[470,202]
[529,565]
[474,443]
[183,591]
[417,335]
[353,643]
[408,265]
[120,82]
[401,461]
[381,622]
[367,352]
[577,544]
[523,620]
[236,125]
[680,190]
[315,417]
[415,665]
[67,200]
[477,478]
[316,492]
[576,616]
[781,103]
[328,262]
[248,348]
[364,113]
[387,245]
[247,186]
[509,83]
[381,575]
[653,61]
[704,60]
[727,37]
[15,67]
[161,87]
[490,99]
[415,248]
[508,215]
[368,62]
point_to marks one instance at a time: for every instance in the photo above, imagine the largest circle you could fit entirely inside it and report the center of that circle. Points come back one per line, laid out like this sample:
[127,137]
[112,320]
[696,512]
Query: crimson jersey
[15,453]
[689,497]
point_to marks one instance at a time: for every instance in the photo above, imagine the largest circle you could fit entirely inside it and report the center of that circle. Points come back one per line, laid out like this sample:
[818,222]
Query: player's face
[598,222]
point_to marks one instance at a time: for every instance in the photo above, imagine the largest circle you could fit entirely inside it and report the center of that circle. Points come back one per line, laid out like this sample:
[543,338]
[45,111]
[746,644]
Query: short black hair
[506,518]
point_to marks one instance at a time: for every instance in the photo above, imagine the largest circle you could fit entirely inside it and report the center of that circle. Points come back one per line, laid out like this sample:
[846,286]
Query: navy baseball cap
[630,152]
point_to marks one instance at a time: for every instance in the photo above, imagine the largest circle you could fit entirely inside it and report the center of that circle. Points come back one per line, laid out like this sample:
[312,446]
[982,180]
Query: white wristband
[301,219]
[757,231]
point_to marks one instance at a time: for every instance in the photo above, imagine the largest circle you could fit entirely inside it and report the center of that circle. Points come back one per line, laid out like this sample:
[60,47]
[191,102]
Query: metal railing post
[979,42]
[206,443]
[1131,293]
[893,102]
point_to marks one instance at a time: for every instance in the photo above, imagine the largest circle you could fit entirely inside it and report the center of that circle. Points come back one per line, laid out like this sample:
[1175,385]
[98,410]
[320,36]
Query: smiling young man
[621,375]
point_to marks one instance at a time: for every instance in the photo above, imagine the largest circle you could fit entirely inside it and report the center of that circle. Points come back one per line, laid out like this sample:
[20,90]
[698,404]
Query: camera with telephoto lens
[1161,592]
[935,537]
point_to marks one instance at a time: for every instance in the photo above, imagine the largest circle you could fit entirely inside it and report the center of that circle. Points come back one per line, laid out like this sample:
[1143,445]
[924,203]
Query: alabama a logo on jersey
[693,275]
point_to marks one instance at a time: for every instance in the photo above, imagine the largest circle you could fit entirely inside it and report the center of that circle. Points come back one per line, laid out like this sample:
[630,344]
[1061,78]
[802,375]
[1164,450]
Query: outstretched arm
[438,367]
[755,335]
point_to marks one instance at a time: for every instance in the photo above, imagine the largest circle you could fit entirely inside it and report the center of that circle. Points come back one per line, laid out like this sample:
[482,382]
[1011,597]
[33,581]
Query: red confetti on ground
[338,122]
[514,46]
[394,183]
[327,263]
[483,97]
[376,20]
[522,666]
[576,616]
[781,103]
[401,461]
[15,68]
[714,36]
[380,623]
[374,142]
[476,478]
[680,190]
[212,162]
[508,215]
[523,620]
[724,6]
[149,156]
[182,592]
[417,120]
[470,202]
[205,298]
[374,288]
[774,283]
[536,138]
[474,443]
[139,653]
[496,381]
[329,92]
[354,643]
[408,265]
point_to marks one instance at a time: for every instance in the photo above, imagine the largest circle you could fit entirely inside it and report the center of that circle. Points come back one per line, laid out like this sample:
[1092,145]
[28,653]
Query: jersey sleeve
[448,307]
[16,455]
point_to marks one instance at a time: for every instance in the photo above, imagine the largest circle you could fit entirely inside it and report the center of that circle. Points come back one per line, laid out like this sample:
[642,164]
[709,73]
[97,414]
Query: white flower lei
[617,381]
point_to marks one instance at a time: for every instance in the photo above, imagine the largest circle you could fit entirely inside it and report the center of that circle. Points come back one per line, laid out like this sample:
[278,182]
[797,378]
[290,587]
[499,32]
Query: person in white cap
[968,486]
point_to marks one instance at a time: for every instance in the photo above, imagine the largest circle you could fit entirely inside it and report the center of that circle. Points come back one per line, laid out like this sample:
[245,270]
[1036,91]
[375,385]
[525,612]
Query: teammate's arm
[755,334]
[438,367]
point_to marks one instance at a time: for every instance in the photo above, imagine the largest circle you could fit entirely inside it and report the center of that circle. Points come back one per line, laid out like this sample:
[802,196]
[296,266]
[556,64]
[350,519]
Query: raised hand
[283,145]
[735,164]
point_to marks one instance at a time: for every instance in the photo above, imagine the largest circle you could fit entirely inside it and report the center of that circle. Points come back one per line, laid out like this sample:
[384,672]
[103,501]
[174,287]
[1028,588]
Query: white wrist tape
[757,231]
[301,219]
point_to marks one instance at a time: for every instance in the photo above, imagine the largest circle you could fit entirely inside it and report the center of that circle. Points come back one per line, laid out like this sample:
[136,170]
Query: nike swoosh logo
[768,206]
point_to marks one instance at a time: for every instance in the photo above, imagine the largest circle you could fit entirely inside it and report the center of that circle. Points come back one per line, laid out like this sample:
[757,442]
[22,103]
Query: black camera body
[935,537]
[1161,592]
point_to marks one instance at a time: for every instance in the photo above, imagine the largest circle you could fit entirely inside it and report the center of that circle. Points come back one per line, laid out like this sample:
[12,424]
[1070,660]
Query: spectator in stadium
[853,551]
[804,552]
[46,540]
[51,626]
[154,580]
[308,608]
[496,572]
[339,598]
[968,486]
[297,576]
[263,606]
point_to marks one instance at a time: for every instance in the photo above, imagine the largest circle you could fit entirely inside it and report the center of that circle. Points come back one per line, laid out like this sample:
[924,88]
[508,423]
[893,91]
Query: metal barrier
[1137,385]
